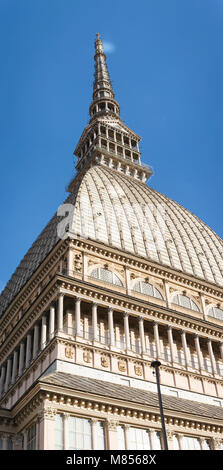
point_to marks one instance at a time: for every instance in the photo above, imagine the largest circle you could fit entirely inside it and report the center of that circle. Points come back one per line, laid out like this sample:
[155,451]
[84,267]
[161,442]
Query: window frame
[179,295]
[114,276]
[142,283]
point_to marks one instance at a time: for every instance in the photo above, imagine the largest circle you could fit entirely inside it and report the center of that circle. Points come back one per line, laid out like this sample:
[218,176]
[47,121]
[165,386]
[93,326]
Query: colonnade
[71,322]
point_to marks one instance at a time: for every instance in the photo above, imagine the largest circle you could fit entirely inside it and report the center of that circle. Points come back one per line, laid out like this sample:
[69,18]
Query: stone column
[180,441]
[85,266]
[112,434]
[127,279]
[157,339]
[199,353]
[126,329]
[8,374]
[36,340]
[70,262]
[184,343]
[15,366]
[167,292]
[78,316]
[151,438]
[202,443]
[52,321]
[43,331]
[28,349]
[170,440]
[212,358]
[69,317]
[46,429]
[142,335]
[217,443]
[65,431]
[111,327]
[94,321]
[94,433]
[60,311]
[37,434]
[21,357]
[3,369]
[204,307]
[127,437]
[170,339]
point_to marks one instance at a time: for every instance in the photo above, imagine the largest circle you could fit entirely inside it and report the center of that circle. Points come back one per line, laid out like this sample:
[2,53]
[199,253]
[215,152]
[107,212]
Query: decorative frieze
[87,356]
[122,367]
[105,361]
[69,352]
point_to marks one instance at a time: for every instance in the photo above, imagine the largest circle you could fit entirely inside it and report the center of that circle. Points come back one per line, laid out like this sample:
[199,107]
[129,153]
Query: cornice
[138,360]
[119,301]
[137,307]
[129,260]
[56,398]
[32,283]
[28,318]
[133,261]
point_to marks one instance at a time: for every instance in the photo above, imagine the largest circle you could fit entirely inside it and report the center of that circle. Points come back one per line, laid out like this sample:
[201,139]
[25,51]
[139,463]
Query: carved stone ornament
[169,435]
[49,412]
[87,356]
[217,442]
[77,262]
[138,370]
[104,361]
[91,261]
[122,366]
[112,424]
[69,352]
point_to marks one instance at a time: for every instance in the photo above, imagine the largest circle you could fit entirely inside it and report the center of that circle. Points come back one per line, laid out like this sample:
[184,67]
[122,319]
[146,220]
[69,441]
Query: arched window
[216,312]
[106,276]
[184,301]
[147,289]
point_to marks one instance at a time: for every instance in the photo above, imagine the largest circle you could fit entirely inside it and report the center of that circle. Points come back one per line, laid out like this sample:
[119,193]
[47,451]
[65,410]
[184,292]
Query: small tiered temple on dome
[120,276]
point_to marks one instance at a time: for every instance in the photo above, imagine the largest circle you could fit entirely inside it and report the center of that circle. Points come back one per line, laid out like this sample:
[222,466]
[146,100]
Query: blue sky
[166,65]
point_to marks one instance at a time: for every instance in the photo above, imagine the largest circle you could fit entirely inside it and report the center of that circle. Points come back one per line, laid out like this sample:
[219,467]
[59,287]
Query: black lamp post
[156,365]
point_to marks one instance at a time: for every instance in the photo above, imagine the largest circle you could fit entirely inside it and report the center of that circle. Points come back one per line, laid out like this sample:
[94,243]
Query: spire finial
[103,95]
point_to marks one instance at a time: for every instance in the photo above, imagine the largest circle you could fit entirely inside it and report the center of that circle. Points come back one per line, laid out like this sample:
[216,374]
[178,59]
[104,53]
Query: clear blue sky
[167,72]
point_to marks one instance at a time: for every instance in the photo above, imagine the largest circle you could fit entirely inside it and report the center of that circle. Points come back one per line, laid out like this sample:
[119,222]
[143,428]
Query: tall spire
[103,95]
[107,140]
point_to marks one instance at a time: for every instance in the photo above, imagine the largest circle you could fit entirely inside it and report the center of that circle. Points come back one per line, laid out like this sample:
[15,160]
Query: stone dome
[120,211]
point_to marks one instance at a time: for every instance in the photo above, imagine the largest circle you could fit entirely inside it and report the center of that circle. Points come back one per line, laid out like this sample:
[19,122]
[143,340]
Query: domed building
[121,276]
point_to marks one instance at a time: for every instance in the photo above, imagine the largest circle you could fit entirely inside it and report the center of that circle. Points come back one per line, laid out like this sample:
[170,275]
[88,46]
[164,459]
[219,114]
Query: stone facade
[79,333]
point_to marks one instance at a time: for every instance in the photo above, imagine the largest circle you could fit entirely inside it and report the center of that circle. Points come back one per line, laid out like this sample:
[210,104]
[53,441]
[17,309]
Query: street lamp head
[155,363]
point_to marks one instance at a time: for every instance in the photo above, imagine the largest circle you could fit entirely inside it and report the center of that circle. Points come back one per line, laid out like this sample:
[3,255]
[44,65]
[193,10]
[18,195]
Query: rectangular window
[79,431]
[156,441]
[190,443]
[59,432]
[121,438]
[206,444]
[138,439]
[31,438]
[100,436]
[175,443]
